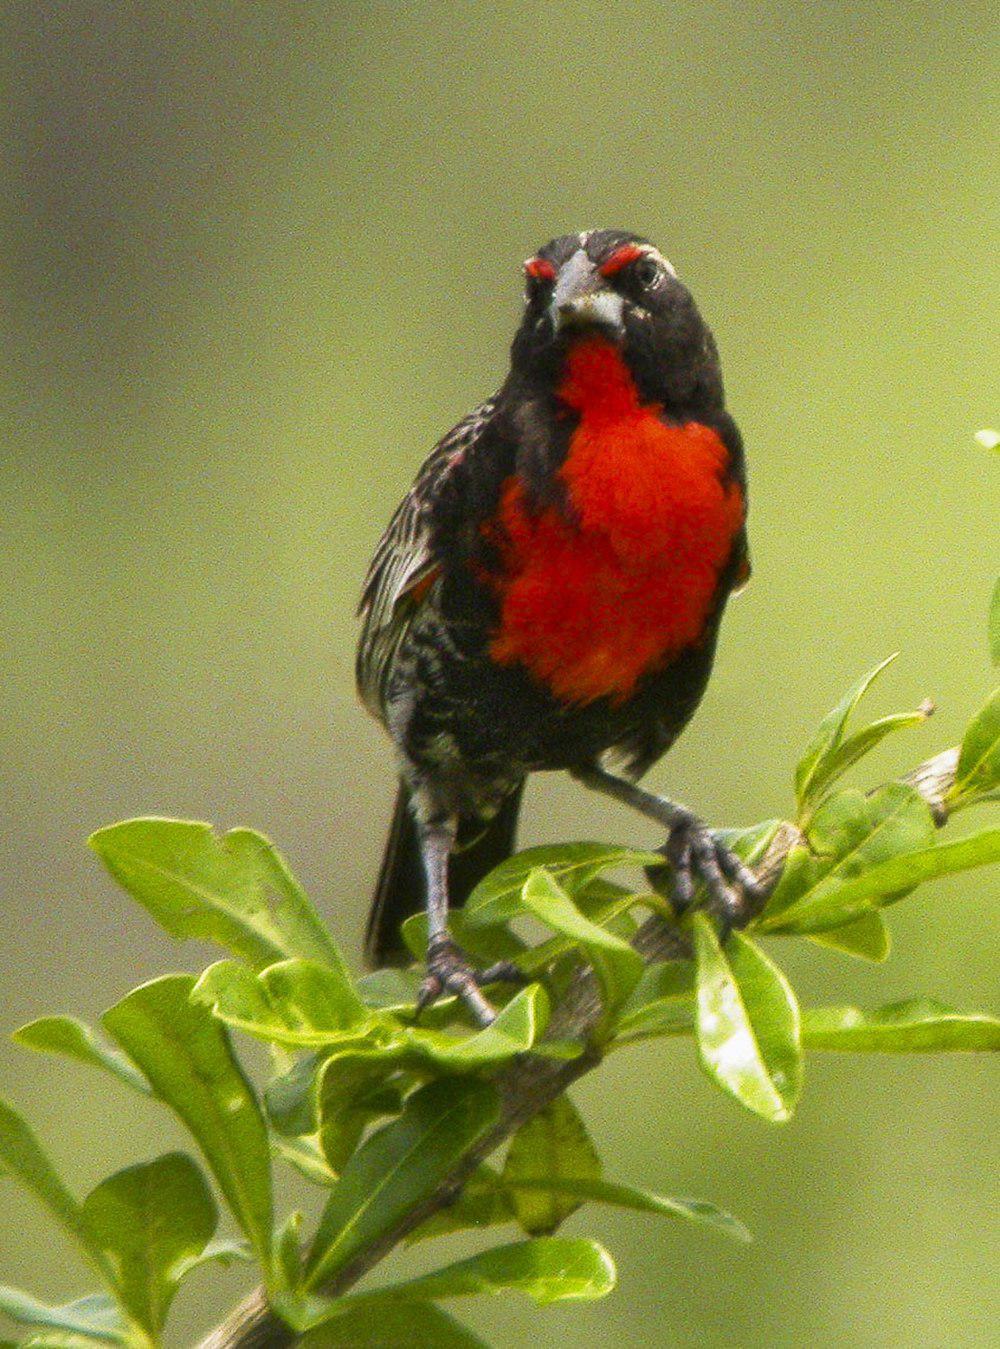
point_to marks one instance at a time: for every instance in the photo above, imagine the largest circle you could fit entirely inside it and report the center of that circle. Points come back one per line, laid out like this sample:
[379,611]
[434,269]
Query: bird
[548,594]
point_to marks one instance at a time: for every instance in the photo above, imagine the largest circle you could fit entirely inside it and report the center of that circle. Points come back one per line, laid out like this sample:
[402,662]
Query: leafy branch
[396,1121]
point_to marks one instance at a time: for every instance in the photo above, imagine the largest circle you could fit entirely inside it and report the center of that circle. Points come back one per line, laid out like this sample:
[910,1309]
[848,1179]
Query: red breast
[592,604]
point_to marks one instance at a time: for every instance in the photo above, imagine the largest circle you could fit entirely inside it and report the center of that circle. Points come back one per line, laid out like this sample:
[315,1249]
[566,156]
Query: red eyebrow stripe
[540,269]
[620,258]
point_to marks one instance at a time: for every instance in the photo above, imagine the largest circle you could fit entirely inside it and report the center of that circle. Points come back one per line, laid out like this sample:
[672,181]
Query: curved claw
[696,854]
[450,971]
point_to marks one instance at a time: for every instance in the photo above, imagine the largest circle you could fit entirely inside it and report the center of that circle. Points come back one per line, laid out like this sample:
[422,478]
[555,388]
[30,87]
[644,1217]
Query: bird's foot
[695,853]
[450,971]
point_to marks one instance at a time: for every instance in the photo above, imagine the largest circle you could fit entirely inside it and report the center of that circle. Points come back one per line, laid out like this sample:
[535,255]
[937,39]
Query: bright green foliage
[197,885]
[380,1109]
[834,899]
[639,1201]
[546,1269]
[74,1039]
[747,1023]
[661,1004]
[831,752]
[490,1200]
[93,1318]
[866,937]
[486,944]
[188,1060]
[977,777]
[919,1025]
[995,624]
[399,1166]
[151,1222]
[849,834]
[500,896]
[418,1325]
[554,1145]
[617,966]
[353,1089]
[294,1003]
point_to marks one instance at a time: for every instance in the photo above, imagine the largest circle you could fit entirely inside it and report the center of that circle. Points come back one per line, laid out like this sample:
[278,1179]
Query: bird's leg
[448,967]
[692,850]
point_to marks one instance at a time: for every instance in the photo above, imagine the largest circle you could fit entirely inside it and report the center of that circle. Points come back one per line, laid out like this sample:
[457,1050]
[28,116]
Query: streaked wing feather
[405,556]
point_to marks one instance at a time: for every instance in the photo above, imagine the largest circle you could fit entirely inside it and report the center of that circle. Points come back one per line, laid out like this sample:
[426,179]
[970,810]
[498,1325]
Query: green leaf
[60,1339]
[23,1158]
[73,1039]
[855,747]
[752,841]
[866,937]
[148,1220]
[398,1166]
[392,1045]
[849,836]
[290,1099]
[223,1251]
[306,1155]
[618,967]
[390,989]
[919,1025]
[994,624]
[590,1190]
[498,897]
[187,1057]
[517,1026]
[336,1098]
[486,944]
[288,1247]
[387,1325]
[662,1003]
[484,1201]
[552,1145]
[236,891]
[602,903]
[747,1023]
[978,771]
[821,908]
[95,1317]
[298,1003]
[353,1089]
[812,769]
[546,1269]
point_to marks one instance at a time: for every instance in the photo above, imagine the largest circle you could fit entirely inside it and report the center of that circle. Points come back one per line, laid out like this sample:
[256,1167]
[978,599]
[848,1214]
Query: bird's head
[618,286]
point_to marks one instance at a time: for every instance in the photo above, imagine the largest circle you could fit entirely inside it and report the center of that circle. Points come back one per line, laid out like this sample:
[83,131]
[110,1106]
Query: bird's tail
[401,886]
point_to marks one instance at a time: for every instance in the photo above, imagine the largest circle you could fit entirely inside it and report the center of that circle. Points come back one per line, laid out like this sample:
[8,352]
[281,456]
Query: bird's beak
[582,297]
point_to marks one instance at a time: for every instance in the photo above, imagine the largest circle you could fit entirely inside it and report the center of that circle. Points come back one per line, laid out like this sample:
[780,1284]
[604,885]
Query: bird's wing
[404,562]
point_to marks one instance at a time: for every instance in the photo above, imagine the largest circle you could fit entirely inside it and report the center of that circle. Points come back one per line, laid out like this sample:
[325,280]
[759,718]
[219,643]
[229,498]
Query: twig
[531,1083]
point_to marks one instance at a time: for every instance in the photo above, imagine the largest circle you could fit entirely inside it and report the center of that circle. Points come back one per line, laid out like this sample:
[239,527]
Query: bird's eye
[646,272]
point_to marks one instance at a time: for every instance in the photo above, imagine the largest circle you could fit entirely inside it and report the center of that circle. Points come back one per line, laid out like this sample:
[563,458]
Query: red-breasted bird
[549,592]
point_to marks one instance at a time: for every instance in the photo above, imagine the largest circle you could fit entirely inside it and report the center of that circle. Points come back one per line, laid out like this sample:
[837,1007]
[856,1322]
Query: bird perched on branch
[549,592]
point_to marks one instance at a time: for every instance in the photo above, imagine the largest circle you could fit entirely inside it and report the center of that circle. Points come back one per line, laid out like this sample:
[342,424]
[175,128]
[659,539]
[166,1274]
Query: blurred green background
[256,259]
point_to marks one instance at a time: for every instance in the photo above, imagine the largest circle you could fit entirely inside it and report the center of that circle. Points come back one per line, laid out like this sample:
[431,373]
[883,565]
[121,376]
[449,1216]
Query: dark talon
[449,971]
[430,990]
[738,872]
[503,972]
[695,854]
